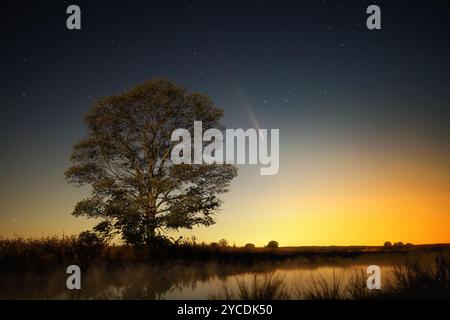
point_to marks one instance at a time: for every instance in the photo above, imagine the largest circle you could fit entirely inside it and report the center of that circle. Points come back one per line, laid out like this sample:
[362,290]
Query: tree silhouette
[272,244]
[125,157]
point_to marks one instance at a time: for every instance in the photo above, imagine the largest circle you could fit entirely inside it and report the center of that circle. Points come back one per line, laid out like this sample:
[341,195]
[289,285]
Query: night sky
[363,115]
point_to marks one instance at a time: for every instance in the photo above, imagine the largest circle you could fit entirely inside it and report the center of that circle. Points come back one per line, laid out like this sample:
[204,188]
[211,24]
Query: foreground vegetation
[419,272]
[411,280]
[34,253]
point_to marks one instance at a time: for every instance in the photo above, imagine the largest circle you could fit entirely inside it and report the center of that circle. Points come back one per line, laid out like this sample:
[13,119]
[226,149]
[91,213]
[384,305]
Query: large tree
[125,157]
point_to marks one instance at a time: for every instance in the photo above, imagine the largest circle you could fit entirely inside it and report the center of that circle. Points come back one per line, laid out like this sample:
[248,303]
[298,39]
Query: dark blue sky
[281,56]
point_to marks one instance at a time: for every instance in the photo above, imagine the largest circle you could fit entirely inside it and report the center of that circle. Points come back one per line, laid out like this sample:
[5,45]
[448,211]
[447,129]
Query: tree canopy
[125,158]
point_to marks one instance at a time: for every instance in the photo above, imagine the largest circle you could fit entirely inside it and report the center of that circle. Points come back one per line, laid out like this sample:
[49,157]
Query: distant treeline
[42,253]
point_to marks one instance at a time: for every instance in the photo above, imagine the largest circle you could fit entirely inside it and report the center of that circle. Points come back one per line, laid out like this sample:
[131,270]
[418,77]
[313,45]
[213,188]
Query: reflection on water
[188,280]
[292,277]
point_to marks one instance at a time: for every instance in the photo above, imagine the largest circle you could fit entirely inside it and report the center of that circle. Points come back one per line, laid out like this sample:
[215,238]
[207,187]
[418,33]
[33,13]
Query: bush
[214,245]
[223,243]
[272,244]
[89,246]
[387,244]
[249,246]
[89,239]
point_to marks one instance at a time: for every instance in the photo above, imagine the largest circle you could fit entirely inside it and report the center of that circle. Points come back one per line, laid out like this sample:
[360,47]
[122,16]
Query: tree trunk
[151,223]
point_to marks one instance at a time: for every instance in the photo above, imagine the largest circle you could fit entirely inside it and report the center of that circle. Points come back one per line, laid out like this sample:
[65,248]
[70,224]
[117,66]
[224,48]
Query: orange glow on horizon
[335,197]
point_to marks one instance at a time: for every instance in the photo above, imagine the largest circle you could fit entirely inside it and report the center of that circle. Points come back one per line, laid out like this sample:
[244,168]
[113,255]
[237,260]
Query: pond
[193,280]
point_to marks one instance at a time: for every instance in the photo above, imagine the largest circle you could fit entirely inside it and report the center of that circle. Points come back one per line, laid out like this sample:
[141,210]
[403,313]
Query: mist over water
[186,280]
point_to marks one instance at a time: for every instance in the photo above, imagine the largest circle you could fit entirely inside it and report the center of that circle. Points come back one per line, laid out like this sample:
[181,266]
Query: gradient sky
[363,115]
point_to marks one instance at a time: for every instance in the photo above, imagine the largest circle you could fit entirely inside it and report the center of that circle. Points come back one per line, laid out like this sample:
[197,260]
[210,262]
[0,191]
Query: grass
[412,280]
[262,287]
[36,253]
[320,289]
[42,253]
[416,280]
